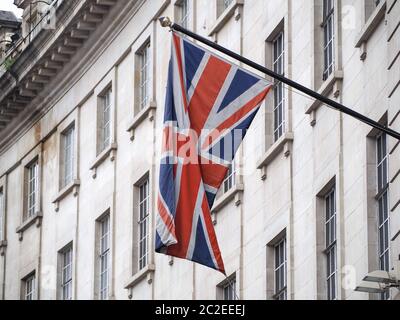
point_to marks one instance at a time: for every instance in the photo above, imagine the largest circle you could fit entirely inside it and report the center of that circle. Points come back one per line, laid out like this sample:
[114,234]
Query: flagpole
[166,22]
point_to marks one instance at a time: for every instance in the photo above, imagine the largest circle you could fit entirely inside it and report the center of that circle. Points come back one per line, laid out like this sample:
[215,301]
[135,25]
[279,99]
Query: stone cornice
[42,59]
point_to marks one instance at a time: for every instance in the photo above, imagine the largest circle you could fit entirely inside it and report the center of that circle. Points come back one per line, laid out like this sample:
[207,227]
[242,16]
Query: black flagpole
[166,22]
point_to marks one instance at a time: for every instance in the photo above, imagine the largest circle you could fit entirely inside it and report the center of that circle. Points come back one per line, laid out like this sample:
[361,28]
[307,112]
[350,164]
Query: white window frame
[229,290]
[144,55]
[331,245]
[328,25]
[66,276]
[67,156]
[280,269]
[143,223]
[184,12]
[382,196]
[32,189]
[104,256]
[105,119]
[29,287]
[230,179]
[278,64]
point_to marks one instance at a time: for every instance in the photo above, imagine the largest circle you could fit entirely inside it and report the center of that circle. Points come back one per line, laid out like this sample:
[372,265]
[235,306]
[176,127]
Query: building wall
[280,196]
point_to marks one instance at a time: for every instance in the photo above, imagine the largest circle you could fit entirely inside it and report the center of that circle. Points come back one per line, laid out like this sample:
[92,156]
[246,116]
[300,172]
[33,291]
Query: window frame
[329,38]
[67,252]
[105,127]
[31,207]
[382,200]
[230,178]
[104,256]
[143,223]
[331,244]
[69,131]
[227,290]
[278,65]
[280,292]
[144,75]
[31,294]
[184,12]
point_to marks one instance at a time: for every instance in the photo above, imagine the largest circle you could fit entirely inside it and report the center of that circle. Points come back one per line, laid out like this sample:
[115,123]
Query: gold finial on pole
[165,21]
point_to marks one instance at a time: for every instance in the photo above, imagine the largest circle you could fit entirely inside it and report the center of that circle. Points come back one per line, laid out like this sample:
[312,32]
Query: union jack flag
[210,104]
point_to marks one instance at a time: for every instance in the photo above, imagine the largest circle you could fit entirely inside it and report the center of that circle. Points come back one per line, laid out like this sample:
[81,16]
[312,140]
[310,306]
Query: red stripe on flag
[162,211]
[207,91]
[189,187]
[252,104]
[213,173]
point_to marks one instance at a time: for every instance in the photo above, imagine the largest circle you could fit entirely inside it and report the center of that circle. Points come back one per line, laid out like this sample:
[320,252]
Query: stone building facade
[311,204]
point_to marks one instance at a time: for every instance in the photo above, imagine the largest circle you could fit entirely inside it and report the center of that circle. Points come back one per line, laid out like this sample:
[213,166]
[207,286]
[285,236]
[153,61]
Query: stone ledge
[71,187]
[327,86]
[37,219]
[110,151]
[233,193]
[147,272]
[371,24]
[147,112]
[225,16]
[282,144]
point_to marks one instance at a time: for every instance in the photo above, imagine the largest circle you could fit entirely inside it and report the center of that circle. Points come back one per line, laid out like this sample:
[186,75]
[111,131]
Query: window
[229,290]
[2,214]
[104,256]
[227,3]
[370,6]
[280,270]
[229,181]
[329,37]
[67,156]
[279,95]
[143,223]
[144,56]
[34,26]
[330,244]
[184,13]
[222,5]
[29,287]
[383,200]
[66,273]
[32,195]
[104,114]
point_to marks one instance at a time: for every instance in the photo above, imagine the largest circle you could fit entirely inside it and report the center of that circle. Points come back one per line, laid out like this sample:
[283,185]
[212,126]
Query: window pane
[32,191]
[229,181]
[278,66]
[280,270]
[67,157]
[145,76]
[329,35]
[229,290]
[143,223]
[330,235]
[66,281]
[383,210]
[104,257]
[29,288]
